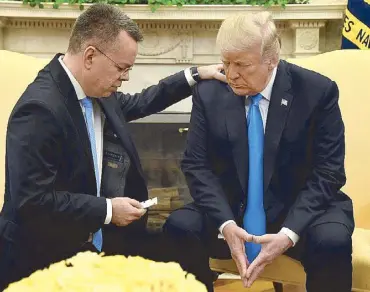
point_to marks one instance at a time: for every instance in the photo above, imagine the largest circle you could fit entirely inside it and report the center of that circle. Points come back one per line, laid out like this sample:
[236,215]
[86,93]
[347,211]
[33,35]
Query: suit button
[241,205]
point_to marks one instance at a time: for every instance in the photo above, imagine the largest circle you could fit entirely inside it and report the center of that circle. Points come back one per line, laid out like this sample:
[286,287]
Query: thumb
[219,66]
[135,203]
[244,235]
[261,239]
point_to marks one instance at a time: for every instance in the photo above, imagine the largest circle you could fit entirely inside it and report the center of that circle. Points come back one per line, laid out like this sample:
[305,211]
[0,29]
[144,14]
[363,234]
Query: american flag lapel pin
[284,102]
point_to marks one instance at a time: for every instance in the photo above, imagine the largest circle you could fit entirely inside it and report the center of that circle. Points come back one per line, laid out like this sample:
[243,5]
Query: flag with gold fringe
[356,31]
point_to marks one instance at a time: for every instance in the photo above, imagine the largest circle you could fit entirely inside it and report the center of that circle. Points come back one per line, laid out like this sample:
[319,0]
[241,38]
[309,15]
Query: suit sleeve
[155,98]
[34,151]
[328,174]
[204,185]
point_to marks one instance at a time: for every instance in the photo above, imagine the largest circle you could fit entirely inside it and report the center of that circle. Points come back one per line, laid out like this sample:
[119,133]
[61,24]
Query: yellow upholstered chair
[350,69]
[16,72]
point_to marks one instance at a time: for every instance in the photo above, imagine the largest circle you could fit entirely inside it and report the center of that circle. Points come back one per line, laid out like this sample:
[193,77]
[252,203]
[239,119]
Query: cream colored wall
[173,38]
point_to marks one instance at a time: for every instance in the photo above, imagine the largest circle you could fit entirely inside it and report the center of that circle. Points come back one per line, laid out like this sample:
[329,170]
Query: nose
[124,76]
[232,73]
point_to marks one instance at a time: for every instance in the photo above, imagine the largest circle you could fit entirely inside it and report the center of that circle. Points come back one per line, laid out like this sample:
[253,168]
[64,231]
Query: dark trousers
[153,245]
[325,249]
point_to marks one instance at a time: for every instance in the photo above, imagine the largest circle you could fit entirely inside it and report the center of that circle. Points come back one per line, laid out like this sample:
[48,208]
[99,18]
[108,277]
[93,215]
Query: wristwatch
[194,73]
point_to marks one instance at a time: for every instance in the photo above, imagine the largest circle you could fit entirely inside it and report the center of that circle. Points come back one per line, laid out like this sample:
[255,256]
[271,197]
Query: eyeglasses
[121,70]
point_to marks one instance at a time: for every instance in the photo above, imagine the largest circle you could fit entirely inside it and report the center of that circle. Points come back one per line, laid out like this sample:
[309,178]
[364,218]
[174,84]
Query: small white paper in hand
[149,203]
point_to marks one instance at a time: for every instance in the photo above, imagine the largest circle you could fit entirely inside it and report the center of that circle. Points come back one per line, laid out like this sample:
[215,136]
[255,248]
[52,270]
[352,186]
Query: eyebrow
[123,66]
[239,61]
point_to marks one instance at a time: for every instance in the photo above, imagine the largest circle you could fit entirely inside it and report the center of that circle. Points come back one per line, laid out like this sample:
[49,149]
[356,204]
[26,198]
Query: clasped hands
[272,245]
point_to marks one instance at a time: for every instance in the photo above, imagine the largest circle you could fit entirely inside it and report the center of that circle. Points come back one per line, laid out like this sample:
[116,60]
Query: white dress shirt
[98,121]
[264,106]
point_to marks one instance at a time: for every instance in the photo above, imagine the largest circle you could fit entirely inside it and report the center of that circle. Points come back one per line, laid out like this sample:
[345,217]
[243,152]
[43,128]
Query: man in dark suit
[269,144]
[67,136]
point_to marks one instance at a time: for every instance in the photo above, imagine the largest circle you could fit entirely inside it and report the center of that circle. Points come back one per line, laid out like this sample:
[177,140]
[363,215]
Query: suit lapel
[120,128]
[236,125]
[67,90]
[280,103]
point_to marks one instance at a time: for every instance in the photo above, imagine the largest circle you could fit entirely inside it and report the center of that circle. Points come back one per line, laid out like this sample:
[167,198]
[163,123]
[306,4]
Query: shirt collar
[266,93]
[79,91]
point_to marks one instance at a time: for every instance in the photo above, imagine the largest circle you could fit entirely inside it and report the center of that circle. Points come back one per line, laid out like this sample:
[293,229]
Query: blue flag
[356,31]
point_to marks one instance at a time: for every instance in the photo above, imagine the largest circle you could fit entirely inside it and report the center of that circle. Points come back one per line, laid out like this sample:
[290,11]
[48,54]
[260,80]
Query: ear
[272,63]
[88,57]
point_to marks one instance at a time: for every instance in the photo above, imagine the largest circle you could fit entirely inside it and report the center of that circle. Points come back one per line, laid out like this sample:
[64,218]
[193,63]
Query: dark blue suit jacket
[51,204]
[303,152]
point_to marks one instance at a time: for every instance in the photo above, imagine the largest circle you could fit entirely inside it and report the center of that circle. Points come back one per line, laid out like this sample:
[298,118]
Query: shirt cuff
[223,226]
[292,235]
[108,218]
[189,78]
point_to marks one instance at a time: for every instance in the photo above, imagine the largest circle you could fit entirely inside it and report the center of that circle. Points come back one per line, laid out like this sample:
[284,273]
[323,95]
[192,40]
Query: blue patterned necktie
[254,217]
[87,104]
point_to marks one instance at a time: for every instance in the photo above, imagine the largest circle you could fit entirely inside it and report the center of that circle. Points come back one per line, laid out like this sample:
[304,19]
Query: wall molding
[307,24]
[187,12]
[16,22]
[39,23]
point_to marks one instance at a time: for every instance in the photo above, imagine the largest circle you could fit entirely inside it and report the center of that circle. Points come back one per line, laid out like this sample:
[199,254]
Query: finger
[137,213]
[244,235]
[247,262]
[242,265]
[245,281]
[128,219]
[255,275]
[255,264]
[219,66]
[238,266]
[143,211]
[245,278]
[261,239]
[220,76]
